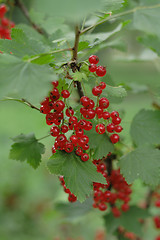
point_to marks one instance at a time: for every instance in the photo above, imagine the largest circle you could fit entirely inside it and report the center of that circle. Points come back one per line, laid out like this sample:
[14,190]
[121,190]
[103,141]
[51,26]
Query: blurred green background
[29,198]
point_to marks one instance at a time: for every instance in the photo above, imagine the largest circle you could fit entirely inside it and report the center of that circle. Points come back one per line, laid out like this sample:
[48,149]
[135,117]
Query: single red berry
[96,91]
[157,203]
[5,22]
[110,127]
[91,104]
[3,10]
[74,139]
[85,101]
[61,139]
[103,103]
[54,95]
[88,126]
[67,190]
[73,120]
[106,115]
[80,133]
[64,128]
[82,123]
[114,114]
[114,138]
[93,59]
[101,71]
[54,131]
[61,179]
[99,112]
[116,212]
[92,67]
[79,151]
[100,128]
[55,83]
[65,93]
[84,157]
[69,112]
[69,147]
[85,147]
[116,120]
[102,206]
[72,198]
[53,150]
[89,114]
[45,101]
[102,85]
[85,138]
[59,105]
[45,109]
[125,207]
[118,128]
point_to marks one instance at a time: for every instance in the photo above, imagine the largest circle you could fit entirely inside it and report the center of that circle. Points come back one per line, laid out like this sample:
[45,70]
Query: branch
[119,15]
[24,10]
[74,58]
[22,101]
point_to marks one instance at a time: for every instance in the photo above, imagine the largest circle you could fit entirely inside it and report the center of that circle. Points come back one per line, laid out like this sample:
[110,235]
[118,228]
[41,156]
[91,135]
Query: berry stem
[44,137]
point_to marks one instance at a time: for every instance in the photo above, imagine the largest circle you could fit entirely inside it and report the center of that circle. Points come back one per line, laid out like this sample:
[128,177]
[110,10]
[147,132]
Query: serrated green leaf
[79,176]
[129,220]
[145,127]
[27,148]
[23,79]
[152,42]
[113,5]
[21,45]
[143,163]
[78,76]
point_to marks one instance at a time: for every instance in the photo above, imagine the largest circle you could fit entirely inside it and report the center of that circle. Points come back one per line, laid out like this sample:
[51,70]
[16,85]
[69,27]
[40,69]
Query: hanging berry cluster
[5,24]
[71,197]
[119,190]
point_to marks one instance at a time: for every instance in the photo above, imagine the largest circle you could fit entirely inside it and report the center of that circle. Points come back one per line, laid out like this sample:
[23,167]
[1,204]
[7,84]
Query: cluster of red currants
[54,110]
[5,24]
[100,70]
[71,198]
[102,194]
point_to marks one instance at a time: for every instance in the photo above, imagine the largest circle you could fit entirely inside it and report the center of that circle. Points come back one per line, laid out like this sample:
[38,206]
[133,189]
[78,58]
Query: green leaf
[143,163]
[83,45]
[118,92]
[129,220]
[100,143]
[79,76]
[23,79]
[21,45]
[145,127]
[146,19]
[27,148]
[79,176]
[152,42]
[113,5]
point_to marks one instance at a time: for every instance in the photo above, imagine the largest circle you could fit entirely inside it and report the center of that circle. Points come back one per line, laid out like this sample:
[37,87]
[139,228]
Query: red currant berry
[72,198]
[55,83]
[99,112]
[73,120]
[114,114]
[85,147]
[84,157]
[116,212]
[102,85]
[3,10]
[118,128]
[69,147]
[90,114]
[5,22]
[96,91]
[116,120]
[100,128]
[106,115]
[82,123]
[103,103]
[85,101]
[91,104]
[114,138]
[88,126]
[93,59]
[53,150]
[61,179]
[157,203]
[59,106]
[80,133]
[101,71]
[79,151]
[54,95]
[110,127]
[65,93]
[54,131]
[74,139]
[64,128]
[85,138]
[125,207]
[61,139]
[92,67]
[45,109]
[69,112]
[102,206]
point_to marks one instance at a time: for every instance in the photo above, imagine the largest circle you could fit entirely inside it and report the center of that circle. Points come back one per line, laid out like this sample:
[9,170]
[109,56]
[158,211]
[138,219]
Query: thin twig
[44,137]
[119,15]
[23,8]
[21,101]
